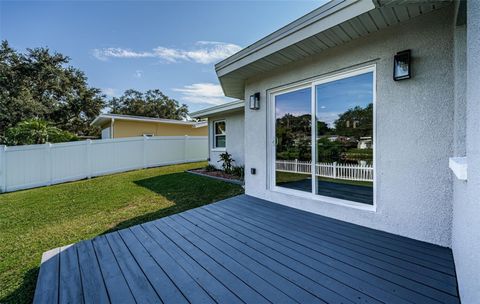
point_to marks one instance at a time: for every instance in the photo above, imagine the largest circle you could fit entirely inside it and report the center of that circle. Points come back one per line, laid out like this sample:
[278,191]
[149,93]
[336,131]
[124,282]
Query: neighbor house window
[324,138]
[219,134]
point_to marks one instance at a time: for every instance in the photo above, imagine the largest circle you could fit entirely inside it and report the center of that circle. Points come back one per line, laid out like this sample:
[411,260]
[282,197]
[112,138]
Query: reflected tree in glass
[344,158]
[293,133]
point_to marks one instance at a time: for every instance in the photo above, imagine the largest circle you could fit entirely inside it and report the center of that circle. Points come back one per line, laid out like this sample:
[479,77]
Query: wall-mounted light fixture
[254,101]
[401,65]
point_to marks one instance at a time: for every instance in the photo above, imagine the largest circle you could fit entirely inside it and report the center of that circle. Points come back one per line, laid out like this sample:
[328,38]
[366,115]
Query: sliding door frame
[271,137]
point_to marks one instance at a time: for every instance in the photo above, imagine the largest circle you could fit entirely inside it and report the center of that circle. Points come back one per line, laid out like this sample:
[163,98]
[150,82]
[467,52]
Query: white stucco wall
[235,127]
[466,204]
[414,128]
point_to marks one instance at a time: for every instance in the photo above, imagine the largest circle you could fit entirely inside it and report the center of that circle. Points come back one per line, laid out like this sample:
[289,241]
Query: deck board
[362,270]
[340,243]
[93,286]
[70,288]
[247,250]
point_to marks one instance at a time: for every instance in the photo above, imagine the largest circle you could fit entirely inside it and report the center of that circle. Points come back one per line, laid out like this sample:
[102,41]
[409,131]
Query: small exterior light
[401,65]
[254,101]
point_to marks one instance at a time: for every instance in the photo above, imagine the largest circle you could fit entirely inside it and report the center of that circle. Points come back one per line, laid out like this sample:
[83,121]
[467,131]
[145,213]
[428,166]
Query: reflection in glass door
[293,138]
[332,154]
[344,137]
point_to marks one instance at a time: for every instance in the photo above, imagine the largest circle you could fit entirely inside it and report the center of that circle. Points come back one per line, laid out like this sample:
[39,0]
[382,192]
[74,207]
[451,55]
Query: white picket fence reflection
[362,172]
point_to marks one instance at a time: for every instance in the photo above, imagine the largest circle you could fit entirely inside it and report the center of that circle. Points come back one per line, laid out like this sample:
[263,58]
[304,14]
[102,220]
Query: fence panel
[31,166]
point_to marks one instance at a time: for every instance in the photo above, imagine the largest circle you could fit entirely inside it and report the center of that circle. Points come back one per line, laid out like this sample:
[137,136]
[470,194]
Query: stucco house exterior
[120,126]
[225,131]
[405,74]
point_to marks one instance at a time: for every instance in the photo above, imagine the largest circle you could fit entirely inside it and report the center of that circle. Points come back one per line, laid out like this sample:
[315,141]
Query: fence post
[334,169]
[145,139]
[3,168]
[296,165]
[185,148]
[49,163]
[89,158]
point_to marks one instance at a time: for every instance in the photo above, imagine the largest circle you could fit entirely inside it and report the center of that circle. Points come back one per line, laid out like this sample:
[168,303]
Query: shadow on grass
[185,191]
[24,292]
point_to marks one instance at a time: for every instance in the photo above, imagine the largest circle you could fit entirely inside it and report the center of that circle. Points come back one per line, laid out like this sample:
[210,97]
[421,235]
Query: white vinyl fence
[330,170]
[23,167]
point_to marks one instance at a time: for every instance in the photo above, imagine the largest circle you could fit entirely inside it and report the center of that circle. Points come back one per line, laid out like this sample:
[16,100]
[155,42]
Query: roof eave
[221,109]
[326,16]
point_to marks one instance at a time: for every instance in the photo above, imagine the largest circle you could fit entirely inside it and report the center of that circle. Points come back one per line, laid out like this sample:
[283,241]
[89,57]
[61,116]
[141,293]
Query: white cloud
[204,52]
[328,117]
[138,74]
[104,54]
[203,93]
[110,92]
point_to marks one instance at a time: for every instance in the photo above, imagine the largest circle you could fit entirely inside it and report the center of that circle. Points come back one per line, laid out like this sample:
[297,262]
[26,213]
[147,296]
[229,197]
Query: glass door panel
[293,140]
[344,137]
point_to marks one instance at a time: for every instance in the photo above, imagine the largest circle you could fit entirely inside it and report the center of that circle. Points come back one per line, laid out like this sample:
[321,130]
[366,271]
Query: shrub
[238,171]
[210,168]
[36,131]
[227,161]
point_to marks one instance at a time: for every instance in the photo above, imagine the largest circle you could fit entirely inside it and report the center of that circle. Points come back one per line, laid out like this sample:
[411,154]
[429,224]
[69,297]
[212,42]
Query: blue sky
[332,98]
[169,45]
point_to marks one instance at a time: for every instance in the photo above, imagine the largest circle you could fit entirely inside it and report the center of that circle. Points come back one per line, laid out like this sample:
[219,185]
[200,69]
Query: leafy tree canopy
[40,84]
[356,122]
[36,131]
[152,103]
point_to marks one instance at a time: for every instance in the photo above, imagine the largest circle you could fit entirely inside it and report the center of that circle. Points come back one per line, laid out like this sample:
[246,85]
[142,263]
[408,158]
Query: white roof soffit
[333,24]
[233,106]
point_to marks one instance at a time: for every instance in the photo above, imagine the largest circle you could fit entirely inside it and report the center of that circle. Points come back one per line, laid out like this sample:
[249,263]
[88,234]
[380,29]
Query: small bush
[36,131]
[238,171]
[210,168]
[227,162]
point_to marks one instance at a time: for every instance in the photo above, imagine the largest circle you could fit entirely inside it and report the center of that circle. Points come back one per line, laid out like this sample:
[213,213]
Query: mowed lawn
[36,220]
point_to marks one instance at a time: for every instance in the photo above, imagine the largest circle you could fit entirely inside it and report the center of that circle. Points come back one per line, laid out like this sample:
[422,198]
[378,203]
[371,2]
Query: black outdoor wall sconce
[254,103]
[401,65]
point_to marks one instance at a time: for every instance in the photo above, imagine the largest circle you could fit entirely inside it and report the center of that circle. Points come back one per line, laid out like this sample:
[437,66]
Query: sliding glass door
[293,137]
[324,138]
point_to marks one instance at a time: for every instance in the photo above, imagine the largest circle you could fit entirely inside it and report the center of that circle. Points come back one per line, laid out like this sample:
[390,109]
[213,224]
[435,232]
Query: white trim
[100,119]
[224,108]
[459,166]
[325,17]
[271,155]
[219,149]
[214,135]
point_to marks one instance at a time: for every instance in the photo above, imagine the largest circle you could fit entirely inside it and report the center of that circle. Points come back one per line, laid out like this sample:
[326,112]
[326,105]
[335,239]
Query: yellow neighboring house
[118,126]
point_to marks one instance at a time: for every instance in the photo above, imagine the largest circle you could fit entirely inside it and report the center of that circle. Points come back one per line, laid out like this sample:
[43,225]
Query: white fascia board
[99,120]
[344,11]
[106,117]
[228,107]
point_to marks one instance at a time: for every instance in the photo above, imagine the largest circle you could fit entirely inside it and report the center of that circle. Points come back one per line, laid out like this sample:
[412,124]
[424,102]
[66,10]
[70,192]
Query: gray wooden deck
[245,250]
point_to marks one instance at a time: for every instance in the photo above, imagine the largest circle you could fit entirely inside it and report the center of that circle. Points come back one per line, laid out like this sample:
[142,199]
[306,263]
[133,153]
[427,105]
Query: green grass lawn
[36,220]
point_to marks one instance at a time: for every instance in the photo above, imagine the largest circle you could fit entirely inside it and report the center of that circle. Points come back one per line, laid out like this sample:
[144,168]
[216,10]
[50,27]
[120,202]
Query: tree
[40,84]
[36,131]
[356,122]
[152,103]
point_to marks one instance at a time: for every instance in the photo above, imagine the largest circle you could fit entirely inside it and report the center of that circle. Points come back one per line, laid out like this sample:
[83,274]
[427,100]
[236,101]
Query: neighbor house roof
[104,118]
[331,25]
[233,106]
